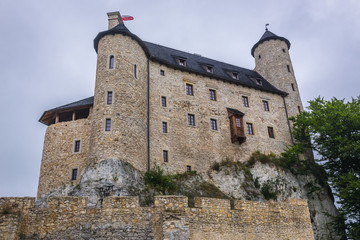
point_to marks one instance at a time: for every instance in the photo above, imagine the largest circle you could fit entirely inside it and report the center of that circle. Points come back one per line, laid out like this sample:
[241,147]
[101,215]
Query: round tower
[272,61]
[119,120]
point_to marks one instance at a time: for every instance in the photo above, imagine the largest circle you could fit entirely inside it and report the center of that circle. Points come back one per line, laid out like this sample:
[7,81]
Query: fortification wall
[59,157]
[199,146]
[170,218]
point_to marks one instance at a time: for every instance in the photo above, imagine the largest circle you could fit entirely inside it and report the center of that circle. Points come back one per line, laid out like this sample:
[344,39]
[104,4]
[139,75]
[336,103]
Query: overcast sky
[47,57]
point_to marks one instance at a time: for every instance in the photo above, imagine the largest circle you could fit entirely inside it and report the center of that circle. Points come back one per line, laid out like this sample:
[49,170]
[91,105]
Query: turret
[272,61]
[119,121]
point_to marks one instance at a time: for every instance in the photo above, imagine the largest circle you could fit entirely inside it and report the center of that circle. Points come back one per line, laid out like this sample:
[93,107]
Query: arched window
[111,62]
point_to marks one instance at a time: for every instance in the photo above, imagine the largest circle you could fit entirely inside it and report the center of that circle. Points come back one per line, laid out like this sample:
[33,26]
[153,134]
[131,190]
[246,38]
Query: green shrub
[268,190]
[159,181]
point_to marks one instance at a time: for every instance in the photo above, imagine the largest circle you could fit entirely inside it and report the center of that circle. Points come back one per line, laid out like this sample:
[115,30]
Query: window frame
[213,124]
[271,132]
[163,101]
[109,100]
[165,156]
[189,89]
[191,119]
[76,148]
[245,100]
[164,127]
[212,94]
[250,129]
[162,72]
[266,105]
[188,168]
[108,125]
[74,174]
[111,62]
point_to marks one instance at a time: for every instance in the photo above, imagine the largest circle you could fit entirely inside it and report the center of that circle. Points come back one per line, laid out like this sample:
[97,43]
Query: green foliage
[184,176]
[334,129]
[256,183]
[312,187]
[268,190]
[159,181]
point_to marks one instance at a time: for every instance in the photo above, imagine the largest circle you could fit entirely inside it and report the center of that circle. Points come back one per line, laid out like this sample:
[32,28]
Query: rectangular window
[258,82]
[182,62]
[163,101]
[238,122]
[77,146]
[164,127]
[109,97]
[209,69]
[266,105]
[271,132]
[188,168]
[293,87]
[162,72]
[191,119]
[165,156]
[108,124]
[213,124]
[189,89]
[135,71]
[245,101]
[74,174]
[249,128]
[235,75]
[212,93]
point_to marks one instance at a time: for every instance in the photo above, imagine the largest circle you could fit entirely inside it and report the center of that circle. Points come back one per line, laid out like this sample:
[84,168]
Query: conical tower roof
[269,36]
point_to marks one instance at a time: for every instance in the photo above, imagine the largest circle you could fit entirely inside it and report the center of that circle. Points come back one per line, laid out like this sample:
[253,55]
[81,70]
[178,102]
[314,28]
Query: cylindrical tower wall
[126,79]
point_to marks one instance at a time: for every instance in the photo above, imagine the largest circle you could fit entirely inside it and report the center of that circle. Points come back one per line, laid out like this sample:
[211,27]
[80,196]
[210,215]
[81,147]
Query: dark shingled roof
[269,36]
[87,102]
[236,111]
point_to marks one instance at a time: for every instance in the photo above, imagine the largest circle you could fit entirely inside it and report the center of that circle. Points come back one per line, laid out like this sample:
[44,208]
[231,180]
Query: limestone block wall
[127,139]
[170,218]
[59,157]
[272,65]
[199,146]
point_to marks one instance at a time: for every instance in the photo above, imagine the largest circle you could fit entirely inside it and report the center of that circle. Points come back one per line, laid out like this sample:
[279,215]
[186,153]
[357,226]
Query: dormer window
[259,82]
[182,62]
[209,69]
[235,75]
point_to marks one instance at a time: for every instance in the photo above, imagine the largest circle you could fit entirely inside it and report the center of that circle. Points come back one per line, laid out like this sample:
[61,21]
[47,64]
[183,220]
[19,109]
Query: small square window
[182,62]
[163,101]
[108,124]
[165,156]
[188,168]
[212,94]
[135,71]
[238,122]
[235,75]
[209,69]
[266,105]
[293,87]
[77,146]
[74,174]
[213,124]
[271,132]
[162,72]
[189,89]
[245,101]
[249,128]
[191,119]
[109,97]
[164,127]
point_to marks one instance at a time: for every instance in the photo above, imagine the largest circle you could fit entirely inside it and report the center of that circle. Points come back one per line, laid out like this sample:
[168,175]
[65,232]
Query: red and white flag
[127,18]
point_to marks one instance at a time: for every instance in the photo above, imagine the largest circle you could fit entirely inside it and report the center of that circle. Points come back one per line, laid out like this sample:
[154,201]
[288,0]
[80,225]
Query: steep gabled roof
[269,36]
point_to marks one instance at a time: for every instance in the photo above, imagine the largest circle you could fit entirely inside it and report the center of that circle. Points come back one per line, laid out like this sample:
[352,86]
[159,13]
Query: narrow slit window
[212,93]
[249,128]
[245,101]
[165,156]
[271,132]
[108,124]
[189,89]
[213,124]
[299,109]
[135,71]
[77,146]
[163,101]
[111,62]
[109,97]
[164,127]
[74,174]
[288,68]
[293,87]
[266,105]
[259,56]
[191,119]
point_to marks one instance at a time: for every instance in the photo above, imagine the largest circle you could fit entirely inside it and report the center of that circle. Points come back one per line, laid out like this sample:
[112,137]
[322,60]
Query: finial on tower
[266,27]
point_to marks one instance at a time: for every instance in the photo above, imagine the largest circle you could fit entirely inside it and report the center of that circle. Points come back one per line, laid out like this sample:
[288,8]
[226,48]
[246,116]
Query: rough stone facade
[170,218]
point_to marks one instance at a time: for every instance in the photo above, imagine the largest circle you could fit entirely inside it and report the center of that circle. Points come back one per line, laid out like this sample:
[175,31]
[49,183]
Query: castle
[157,105]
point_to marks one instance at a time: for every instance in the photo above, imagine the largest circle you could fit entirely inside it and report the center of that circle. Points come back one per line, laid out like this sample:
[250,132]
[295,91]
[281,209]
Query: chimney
[114,19]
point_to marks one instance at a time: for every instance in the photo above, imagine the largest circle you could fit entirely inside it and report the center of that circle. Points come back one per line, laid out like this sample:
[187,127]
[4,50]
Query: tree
[332,128]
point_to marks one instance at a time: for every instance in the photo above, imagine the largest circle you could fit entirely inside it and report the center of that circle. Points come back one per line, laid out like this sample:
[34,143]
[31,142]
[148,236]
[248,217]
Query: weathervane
[266,26]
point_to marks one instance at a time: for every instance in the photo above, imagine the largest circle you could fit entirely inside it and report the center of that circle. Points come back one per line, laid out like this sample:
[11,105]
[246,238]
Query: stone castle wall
[170,218]
[199,146]
[59,157]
